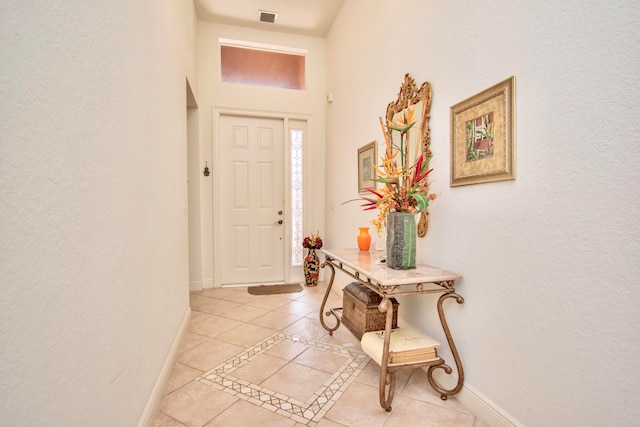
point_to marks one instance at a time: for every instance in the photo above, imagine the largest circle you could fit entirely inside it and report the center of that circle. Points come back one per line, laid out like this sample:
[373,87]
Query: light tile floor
[266,361]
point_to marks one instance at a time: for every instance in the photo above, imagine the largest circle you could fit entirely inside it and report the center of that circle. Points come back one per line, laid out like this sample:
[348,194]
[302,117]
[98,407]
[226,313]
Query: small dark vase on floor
[401,240]
[311,268]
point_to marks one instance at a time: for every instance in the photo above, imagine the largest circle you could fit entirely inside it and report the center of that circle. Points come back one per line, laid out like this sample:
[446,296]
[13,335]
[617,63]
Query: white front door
[252,199]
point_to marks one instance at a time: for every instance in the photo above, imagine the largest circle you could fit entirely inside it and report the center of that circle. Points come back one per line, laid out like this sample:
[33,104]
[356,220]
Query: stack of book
[407,345]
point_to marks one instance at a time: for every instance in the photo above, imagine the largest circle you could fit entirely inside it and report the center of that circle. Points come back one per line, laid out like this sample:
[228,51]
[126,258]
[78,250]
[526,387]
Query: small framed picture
[366,166]
[482,143]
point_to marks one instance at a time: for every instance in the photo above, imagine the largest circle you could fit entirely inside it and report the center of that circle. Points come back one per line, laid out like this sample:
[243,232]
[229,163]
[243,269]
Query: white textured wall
[93,222]
[549,329]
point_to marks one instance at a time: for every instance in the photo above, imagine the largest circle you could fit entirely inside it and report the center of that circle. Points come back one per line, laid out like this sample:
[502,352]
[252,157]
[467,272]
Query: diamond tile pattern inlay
[308,412]
[247,362]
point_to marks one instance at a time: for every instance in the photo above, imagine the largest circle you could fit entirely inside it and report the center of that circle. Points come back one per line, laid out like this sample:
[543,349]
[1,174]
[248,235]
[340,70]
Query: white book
[404,342]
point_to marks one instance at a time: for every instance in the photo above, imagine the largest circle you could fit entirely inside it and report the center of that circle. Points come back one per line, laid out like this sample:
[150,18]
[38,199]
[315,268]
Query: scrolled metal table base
[324,302]
[444,393]
[387,373]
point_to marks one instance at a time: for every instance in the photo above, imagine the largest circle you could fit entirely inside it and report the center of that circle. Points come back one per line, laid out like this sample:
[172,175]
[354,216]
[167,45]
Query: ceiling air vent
[264,16]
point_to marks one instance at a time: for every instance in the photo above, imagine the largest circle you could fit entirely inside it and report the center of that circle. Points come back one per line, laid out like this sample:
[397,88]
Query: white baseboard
[199,285]
[151,409]
[477,403]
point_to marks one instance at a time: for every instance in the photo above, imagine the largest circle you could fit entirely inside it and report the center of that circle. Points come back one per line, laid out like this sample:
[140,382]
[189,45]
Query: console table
[369,269]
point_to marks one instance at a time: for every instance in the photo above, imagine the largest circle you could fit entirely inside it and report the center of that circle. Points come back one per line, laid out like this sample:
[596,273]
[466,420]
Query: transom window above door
[262,65]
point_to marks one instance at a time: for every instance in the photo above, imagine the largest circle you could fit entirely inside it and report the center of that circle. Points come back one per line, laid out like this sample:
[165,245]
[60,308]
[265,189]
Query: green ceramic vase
[401,240]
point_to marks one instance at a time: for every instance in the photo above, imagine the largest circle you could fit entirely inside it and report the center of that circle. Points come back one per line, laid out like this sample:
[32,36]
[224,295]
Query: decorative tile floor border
[307,413]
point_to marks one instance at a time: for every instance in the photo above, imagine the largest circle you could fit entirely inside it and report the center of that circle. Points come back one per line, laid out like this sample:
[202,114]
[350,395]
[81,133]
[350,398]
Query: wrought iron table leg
[386,378]
[444,393]
[324,301]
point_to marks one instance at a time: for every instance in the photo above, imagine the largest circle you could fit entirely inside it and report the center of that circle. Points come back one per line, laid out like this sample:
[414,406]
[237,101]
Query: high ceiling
[305,17]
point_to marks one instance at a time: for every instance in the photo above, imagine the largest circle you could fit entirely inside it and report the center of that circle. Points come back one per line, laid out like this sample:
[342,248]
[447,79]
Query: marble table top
[372,265]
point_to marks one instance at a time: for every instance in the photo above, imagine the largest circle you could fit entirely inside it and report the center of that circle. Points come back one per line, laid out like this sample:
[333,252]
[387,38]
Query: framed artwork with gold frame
[367,157]
[482,142]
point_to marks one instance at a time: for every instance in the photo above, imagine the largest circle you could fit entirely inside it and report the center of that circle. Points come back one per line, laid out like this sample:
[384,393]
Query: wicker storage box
[360,310]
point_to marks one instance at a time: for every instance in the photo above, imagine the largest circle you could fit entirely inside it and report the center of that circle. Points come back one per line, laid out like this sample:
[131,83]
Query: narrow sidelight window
[297,137]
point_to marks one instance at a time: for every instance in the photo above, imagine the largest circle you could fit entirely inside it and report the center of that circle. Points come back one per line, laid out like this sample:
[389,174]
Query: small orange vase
[364,239]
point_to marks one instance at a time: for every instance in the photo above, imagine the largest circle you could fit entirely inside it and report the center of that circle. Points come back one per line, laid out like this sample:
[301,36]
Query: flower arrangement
[312,242]
[404,175]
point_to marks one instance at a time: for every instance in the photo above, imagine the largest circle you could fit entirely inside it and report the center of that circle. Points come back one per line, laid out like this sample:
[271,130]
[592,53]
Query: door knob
[278,222]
